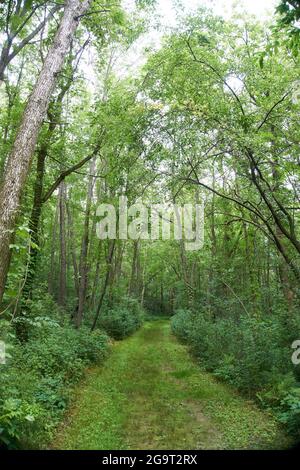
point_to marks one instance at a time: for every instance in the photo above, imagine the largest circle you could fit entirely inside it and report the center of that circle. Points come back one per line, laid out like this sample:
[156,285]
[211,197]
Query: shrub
[122,320]
[289,411]
[37,379]
[181,324]
[16,415]
[251,353]
[283,397]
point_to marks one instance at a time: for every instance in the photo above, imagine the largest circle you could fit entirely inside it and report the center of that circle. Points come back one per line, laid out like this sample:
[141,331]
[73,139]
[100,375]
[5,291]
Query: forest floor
[151,394]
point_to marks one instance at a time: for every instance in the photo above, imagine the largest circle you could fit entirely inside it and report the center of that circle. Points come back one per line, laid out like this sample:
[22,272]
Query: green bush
[252,354]
[181,324]
[283,398]
[16,415]
[37,380]
[289,411]
[122,320]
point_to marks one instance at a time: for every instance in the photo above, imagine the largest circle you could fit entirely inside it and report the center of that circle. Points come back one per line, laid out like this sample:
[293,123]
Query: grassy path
[150,394]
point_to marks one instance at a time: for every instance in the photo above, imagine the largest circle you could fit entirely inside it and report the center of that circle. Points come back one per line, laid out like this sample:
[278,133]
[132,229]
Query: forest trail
[150,394]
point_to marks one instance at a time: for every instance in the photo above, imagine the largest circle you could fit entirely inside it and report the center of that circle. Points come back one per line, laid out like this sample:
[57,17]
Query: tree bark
[19,161]
[63,248]
[133,285]
[283,268]
[54,114]
[36,212]
[35,221]
[83,265]
[97,275]
[72,247]
[106,282]
[53,251]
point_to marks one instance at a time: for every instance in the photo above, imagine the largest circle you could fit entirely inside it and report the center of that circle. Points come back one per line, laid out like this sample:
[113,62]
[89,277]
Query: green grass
[150,394]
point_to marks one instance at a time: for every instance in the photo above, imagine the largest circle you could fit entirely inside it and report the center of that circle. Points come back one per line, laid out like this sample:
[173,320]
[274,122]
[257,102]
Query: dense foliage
[37,381]
[252,354]
[122,320]
[210,116]
[288,20]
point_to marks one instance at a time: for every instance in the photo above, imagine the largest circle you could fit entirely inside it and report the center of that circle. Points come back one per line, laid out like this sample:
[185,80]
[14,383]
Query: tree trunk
[83,265]
[97,275]
[72,248]
[63,249]
[53,247]
[133,287]
[106,282]
[162,304]
[34,223]
[38,200]
[283,267]
[19,161]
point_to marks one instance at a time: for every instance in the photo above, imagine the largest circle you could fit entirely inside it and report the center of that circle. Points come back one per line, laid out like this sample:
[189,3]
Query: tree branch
[67,172]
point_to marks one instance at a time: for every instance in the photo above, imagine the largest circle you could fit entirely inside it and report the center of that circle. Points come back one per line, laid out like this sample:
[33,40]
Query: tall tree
[19,161]
[15,19]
